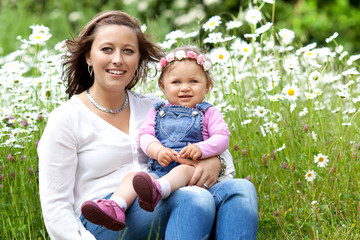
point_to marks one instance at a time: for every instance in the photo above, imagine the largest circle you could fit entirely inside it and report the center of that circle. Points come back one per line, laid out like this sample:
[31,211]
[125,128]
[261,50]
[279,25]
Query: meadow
[293,112]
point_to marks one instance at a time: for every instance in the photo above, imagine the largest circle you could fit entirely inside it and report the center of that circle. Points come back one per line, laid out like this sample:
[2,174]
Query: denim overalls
[176,127]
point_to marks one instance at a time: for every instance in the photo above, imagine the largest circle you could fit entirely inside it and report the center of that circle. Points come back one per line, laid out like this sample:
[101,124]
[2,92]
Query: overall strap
[203,106]
[158,105]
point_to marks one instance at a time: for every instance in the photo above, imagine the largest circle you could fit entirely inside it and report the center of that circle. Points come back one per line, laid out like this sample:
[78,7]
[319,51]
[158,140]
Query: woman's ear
[88,59]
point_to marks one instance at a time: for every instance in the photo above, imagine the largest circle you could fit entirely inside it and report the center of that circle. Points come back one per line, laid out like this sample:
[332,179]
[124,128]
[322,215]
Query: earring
[90,70]
[136,73]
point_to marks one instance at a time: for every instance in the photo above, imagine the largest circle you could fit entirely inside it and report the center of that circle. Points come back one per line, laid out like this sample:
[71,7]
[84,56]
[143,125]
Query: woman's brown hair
[75,67]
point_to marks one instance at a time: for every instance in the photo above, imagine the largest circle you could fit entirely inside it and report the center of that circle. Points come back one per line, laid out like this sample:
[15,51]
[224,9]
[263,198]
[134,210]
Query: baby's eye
[194,81]
[176,82]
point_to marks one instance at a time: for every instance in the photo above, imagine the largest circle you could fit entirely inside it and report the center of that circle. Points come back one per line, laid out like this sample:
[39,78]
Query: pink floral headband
[180,55]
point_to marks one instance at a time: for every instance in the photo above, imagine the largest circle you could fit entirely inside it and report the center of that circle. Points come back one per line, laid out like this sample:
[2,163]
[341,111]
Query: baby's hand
[166,156]
[190,151]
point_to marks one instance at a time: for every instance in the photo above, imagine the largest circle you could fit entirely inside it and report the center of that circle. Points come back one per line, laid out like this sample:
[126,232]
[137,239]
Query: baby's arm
[217,132]
[162,154]
[151,145]
[190,151]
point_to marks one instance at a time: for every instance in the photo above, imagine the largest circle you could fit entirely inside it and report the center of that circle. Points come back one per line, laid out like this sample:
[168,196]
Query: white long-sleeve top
[83,157]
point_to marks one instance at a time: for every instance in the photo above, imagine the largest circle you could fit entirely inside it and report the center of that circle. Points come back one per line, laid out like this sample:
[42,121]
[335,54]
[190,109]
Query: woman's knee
[195,198]
[241,189]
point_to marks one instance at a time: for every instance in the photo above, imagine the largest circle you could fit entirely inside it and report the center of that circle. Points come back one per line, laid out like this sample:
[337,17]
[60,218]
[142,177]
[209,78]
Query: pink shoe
[148,191]
[104,213]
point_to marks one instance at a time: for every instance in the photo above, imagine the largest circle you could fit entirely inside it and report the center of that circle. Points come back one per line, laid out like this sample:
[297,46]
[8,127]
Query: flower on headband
[206,66]
[191,54]
[200,60]
[163,62]
[180,55]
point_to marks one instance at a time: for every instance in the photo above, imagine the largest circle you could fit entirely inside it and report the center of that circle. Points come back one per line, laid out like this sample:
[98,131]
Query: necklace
[101,108]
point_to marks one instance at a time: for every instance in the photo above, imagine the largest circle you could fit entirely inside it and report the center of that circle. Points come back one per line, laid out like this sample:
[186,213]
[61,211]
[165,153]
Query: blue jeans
[189,213]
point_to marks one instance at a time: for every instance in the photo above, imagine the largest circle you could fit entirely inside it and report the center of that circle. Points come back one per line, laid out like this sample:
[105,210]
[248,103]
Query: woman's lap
[236,210]
[189,213]
[174,218]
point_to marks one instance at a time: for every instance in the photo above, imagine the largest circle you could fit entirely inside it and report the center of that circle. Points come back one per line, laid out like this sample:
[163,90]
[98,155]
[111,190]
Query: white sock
[165,187]
[120,201]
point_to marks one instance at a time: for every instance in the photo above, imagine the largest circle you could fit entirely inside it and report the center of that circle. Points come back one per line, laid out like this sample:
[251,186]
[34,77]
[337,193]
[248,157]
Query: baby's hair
[186,49]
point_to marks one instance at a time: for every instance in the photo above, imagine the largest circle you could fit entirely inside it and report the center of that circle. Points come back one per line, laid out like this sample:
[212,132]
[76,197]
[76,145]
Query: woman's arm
[57,153]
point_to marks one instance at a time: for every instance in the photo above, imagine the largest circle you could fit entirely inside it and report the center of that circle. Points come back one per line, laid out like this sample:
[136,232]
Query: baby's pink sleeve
[216,134]
[147,131]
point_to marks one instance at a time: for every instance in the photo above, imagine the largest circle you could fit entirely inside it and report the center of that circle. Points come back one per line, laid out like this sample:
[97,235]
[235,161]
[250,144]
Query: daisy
[291,64]
[242,48]
[329,39]
[191,34]
[143,27]
[352,59]
[214,38]
[315,78]
[167,44]
[271,127]
[291,92]
[175,35]
[309,95]
[233,24]
[287,36]
[356,99]
[260,111]
[321,160]
[269,1]
[310,176]
[245,122]
[212,23]
[253,16]
[292,106]
[281,148]
[263,28]
[304,112]
[40,34]
[220,55]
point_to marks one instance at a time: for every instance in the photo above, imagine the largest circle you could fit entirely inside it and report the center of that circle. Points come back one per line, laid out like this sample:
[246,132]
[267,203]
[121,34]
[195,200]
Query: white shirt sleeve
[230,168]
[57,152]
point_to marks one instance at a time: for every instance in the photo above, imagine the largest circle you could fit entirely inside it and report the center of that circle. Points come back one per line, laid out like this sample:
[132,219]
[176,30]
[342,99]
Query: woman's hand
[206,171]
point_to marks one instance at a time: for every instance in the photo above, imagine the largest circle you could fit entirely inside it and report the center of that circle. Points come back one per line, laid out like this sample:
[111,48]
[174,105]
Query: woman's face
[114,56]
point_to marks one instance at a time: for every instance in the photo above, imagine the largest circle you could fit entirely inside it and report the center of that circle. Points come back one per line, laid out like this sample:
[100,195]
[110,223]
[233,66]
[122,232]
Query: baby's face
[185,84]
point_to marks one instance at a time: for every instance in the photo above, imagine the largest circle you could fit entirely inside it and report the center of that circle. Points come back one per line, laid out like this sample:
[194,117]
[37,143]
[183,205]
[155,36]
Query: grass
[284,103]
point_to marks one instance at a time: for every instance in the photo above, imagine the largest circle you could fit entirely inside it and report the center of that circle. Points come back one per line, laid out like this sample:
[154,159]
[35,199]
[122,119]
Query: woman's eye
[129,51]
[106,49]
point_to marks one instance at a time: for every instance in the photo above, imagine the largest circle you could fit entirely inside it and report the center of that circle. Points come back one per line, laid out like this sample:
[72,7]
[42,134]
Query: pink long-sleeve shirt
[215,131]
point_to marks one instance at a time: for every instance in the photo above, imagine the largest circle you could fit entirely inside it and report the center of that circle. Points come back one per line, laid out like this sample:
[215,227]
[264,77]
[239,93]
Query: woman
[90,144]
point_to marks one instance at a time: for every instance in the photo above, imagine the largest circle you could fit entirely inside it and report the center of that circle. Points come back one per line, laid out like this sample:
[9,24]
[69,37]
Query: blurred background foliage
[311,20]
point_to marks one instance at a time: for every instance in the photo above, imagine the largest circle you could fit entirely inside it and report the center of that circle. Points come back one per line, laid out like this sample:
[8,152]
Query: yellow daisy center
[309,53]
[309,175]
[246,50]
[321,159]
[38,37]
[291,92]
[221,56]
[211,24]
